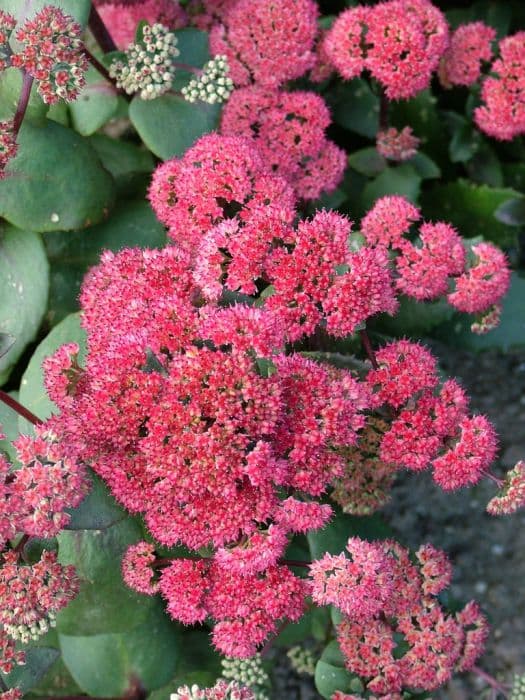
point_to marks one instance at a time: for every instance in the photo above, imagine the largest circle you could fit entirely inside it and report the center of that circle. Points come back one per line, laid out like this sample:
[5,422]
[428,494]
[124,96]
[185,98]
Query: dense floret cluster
[385,598]
[399,42]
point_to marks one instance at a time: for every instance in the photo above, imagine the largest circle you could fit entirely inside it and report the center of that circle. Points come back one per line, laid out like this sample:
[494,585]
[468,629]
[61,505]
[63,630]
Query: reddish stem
[384,105]
[491,681]
[499,482]
[188,68]
[105,73]
[368,348]
[23,101]
[20,546]
[295,562]
[100,31]
[21,410]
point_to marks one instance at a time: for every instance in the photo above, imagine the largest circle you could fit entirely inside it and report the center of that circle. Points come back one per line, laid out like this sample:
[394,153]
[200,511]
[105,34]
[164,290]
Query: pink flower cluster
[266,41]
[235,220]
[397,145]
[222,690]
[429,428]
[288,129]
[52,53]
[385,598]
[33,499]
[470,45]
[174,412]
[246,607]
[399,42]
[7,24]
[8,145]
[32,594]
[512,494]
[502,114]
[425,268]
[35,496]
[123,18]
[221,179]
[365,484]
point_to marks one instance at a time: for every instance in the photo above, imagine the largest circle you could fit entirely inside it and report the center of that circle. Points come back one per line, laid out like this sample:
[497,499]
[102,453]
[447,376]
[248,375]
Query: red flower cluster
[123,18]
[52,54]
[266,41]
[222,178]
[394,633]
[470,44]
[288,129]
[246,607]
[429,429]
[174,412]
[7,24]
[503,113]
[246,216]
[426,267]
[397,145]
[399,42]
[8,145]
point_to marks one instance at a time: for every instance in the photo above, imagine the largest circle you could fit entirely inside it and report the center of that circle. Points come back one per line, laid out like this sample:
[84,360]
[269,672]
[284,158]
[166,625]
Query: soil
[487,552]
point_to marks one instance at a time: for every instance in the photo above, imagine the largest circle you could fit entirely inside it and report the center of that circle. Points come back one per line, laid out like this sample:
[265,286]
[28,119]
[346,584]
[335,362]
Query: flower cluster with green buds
[302,660]
[213,85]
[249,672]
[518,688]
[147,68]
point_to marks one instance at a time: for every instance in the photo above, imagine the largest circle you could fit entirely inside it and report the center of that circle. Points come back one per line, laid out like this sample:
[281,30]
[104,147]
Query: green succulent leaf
[56,181]
[24,283]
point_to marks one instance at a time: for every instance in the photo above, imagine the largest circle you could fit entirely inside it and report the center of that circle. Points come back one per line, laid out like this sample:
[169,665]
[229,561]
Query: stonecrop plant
[227,228]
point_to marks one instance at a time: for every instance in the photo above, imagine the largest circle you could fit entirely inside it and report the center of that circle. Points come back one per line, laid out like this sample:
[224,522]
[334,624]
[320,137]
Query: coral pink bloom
[267,41]
[123,19]
[502,114]
[484,283]
[344,43]
[389,220]
[288,128]
[470,44]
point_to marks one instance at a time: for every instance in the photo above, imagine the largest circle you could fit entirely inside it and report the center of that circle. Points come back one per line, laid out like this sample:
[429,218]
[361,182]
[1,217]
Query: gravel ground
[487,552]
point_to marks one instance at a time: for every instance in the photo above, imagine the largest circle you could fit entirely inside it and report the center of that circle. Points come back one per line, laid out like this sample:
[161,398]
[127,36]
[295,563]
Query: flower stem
[23,101]
[105,73]
[384,104]
[188,68]
[491,681]
[21,410]
[294,562]
[100,31]
[367,345]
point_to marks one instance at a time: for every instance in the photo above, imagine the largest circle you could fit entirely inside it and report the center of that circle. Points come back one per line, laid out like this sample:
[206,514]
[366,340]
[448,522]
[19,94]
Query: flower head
[470,44]
[397,145]
[267,41]
[213,85]
[52,54]
[485,281]
[502,114]
[148,66]
[8,144]
[512,494]
[7,24]
[123,18]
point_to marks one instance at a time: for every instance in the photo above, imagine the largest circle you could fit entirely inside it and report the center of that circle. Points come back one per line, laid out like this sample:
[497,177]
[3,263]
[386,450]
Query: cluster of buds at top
[52,54]
[7,24]
[147,68]
[213,85]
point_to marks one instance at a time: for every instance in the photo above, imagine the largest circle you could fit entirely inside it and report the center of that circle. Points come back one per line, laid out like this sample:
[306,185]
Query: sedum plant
[229,225]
